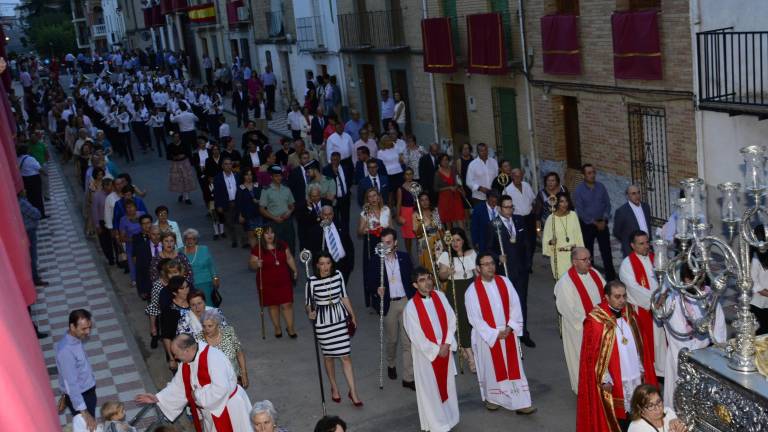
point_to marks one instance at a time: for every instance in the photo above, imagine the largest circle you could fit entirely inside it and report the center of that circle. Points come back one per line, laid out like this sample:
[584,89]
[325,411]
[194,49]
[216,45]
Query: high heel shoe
[357,404]
[336,399]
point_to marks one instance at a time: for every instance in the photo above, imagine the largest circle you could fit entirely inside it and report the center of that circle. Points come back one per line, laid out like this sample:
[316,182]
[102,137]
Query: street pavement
[285,371]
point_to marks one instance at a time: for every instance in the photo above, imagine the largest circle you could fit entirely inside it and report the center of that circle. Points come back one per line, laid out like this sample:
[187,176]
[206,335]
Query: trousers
[394,330]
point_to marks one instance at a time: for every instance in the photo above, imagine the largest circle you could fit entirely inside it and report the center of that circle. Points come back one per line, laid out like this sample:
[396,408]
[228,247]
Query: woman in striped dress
[329,307]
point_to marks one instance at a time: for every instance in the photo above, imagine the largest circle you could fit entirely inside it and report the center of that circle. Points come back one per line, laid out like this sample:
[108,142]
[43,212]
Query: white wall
[742,15]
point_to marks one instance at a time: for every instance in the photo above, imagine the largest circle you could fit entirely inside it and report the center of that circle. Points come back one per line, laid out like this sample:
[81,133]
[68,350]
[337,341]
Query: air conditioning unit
[242,13]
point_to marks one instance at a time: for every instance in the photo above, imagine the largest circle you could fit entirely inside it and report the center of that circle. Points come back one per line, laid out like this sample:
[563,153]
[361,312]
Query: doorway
[367,75]
[457,114]
[648,151]
[505,114]
[285,65]
[400,84]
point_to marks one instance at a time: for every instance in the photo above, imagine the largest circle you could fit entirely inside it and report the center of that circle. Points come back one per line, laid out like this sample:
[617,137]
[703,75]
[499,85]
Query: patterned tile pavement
[68,264]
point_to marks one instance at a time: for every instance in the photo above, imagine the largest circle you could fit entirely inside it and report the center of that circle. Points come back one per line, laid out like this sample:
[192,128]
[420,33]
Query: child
[113,414]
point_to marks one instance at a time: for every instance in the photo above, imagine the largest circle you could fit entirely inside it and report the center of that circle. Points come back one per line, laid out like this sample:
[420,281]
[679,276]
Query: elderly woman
[264,417]
[203,269]
[190,323]
[166,224]
[217,335]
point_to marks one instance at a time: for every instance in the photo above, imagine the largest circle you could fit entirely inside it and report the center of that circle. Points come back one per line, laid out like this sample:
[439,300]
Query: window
[502,7]
[571,129]
[644,4]
[567,7]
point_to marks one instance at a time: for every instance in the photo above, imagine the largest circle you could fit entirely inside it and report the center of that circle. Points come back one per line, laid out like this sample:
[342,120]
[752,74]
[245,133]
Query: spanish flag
[202,14]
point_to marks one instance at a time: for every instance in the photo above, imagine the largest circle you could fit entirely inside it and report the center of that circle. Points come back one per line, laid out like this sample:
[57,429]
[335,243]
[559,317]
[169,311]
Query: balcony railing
[237,13]
[275,26]
[372,30]
[309,34]
[733,71]
[99,30]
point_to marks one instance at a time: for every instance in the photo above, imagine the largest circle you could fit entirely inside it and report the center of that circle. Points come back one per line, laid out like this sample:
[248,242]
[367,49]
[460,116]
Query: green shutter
[507,125]
[449,10]
[502,7]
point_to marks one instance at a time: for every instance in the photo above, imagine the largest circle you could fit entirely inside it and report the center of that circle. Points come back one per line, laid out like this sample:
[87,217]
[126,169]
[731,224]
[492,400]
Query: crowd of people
[471,226]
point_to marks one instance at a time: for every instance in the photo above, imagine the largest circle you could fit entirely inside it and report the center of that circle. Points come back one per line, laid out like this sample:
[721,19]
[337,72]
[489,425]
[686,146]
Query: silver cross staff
[382,251]
[497,225]
[305,256]
[324,223]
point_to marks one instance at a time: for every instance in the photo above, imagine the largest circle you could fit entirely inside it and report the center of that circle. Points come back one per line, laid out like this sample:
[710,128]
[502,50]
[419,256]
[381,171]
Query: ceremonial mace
[367,212]
[323,225]
[448,239]
[503,180]
[381,250]
[497,225]
[552,201]
[415,190]
[259,231]
[305,257]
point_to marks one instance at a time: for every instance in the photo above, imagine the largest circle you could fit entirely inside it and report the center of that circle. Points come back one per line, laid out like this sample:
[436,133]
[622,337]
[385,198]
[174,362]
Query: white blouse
[374,221]
[391,159]
[463,267]
[643,426]
[760,282]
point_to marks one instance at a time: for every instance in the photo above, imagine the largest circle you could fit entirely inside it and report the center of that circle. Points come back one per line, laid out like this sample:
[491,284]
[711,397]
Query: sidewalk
[76,281]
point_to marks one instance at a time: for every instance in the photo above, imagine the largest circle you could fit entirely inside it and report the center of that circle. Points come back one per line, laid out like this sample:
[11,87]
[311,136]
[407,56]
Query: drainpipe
[431,84]
[695,14]
[528,99]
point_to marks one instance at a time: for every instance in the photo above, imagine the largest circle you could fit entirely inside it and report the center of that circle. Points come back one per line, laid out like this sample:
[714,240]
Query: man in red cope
[493,309]
[612,364]
[430,324]
[207,383]
[636,272]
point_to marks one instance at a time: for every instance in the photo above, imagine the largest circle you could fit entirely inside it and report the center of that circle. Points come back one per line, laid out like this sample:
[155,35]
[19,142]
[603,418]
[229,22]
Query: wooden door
[457,114]
[367,75]
[400,84]
[505,113]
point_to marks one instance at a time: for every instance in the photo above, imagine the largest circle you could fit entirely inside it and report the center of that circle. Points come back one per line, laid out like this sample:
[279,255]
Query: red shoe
[336,399]
[357,404]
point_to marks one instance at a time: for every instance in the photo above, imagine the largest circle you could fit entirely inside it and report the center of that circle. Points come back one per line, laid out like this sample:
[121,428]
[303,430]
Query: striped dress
[331,323]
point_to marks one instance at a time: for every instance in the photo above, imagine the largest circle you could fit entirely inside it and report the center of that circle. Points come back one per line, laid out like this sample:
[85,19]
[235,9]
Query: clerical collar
[425,296]
[616,313]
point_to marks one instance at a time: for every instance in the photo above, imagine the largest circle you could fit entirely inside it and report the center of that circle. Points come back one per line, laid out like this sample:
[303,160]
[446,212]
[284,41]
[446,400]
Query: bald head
[633,194]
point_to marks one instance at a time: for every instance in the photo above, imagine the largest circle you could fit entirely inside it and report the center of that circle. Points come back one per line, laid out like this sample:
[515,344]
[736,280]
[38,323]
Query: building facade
[99,25]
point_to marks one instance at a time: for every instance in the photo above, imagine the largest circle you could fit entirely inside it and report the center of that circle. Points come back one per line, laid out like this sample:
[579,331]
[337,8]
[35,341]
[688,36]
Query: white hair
[191,232]
[264,406]
[212,315]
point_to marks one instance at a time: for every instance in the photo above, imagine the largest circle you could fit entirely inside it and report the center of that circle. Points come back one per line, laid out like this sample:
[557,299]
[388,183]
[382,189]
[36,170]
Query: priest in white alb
[681,333]
[207,383]
[576,293]
[493,310]
[431,325]
[636,272]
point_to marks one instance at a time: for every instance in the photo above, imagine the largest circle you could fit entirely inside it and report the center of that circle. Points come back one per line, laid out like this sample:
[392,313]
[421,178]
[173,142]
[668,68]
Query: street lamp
[710,256]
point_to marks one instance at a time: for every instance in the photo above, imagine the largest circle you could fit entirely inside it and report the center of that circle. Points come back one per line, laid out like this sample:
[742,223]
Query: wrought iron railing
[733,68]
[379,29]
[99,30]
[309,33]
[275,25]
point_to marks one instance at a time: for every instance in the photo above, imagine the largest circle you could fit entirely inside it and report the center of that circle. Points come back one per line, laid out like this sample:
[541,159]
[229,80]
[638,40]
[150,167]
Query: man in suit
[514,249]
[396,292]
[372,180]
[482,215]
[316,128]
[427,169]
[335,172]
[308,220]
[214,163]
[142,255]
[298,179]
[199,158]
[337,242]
[240,103]
[224,196]
[634,215]
[361,166]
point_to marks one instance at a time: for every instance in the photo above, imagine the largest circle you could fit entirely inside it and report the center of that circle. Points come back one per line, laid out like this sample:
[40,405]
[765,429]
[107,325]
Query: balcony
[379,31]
[173,6]
[99,30]
[275,26]
[237,13]
[309,34]
[733,72]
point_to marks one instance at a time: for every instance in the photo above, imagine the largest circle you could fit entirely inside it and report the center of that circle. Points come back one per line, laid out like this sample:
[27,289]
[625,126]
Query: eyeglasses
[583,259]
[507,206]
[652,405]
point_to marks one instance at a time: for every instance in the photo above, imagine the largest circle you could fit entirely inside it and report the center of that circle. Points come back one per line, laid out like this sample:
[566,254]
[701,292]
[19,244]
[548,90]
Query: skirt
[333,339]
[450,206]
[407,228]
[463,328]
[181,177]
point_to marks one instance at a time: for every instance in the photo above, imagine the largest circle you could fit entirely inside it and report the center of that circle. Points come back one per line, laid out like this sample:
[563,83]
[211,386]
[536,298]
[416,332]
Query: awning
[487,48]
[560,44]
[437,40]
[636,45]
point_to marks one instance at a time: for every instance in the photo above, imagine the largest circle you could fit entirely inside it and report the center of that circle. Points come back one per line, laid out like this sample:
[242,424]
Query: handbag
[351,328]
[216,297]
[61,405]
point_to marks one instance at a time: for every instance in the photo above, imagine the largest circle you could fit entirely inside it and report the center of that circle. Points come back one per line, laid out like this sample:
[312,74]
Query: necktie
[342,192]
[333,246]
[317,209]
[493,214]
[157,250]
[375,183]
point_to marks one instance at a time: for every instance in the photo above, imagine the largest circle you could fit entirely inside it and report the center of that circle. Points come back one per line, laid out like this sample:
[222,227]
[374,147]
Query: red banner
[158,20]
[636,45]
[148,18]
[560,44]
[437,40]
[487,49]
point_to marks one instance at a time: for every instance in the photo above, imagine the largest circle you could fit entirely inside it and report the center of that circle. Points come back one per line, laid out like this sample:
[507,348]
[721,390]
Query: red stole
[644,317]
[509,369]
[586,301]
[439,364]
[222,423]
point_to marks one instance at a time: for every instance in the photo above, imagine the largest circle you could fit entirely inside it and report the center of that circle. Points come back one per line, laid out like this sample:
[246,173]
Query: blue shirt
[592,203]
[387,108]
[75,373]
[353,129]
[29,213]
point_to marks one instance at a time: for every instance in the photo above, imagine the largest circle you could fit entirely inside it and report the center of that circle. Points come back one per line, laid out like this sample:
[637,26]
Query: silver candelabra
[722,260]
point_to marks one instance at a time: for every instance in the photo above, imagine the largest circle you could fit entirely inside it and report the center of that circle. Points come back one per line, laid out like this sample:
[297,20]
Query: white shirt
[492,212]
[638,211]
[231,185]
[28,166]
[341,143]
[203,155]
[224,130]
[391,159]
[393,276]
[376,182]
[522,200]
[186,121]
[341,183]
[256,162]
[295,120]
[109,208]
[372,147]
[481,173]
[759,283]
[509,224]
[631,366]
